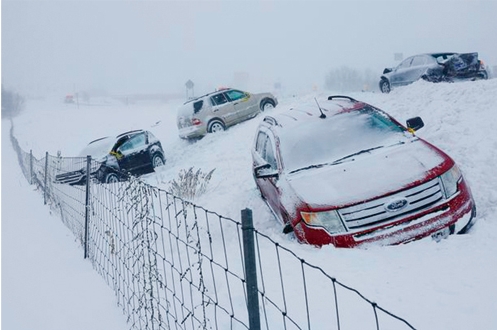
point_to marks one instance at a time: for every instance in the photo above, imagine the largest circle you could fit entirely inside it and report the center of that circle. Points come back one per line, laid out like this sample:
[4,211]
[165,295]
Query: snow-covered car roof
[102,146]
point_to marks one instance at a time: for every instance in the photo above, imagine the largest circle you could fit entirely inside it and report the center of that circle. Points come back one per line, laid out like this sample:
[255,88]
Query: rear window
[197,106]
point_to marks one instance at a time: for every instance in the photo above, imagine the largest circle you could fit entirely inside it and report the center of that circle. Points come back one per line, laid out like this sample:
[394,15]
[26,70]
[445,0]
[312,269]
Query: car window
[442,58]
[418,61]
[218,99]
[197,106]
[405,64]
[137,141]
[234,95]
[265,149]
[259,145]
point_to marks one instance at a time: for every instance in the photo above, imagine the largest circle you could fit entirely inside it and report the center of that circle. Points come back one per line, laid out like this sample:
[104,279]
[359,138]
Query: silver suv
[219,110]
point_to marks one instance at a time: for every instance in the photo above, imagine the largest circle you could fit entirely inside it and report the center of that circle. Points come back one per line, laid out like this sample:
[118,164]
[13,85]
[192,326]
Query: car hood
[367,176]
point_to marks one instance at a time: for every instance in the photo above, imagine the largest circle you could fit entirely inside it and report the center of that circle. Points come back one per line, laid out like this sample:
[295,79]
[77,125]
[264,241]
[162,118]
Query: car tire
[215,126]
[385,86]
[267,105]
[111,178]
[157,160]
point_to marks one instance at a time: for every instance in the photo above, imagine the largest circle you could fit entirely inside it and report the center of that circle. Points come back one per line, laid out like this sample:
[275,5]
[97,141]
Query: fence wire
[176,265]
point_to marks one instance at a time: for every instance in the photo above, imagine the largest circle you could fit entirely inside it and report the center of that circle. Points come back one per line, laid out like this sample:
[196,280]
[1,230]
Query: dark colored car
[348,174]
[115,158]
[434,67]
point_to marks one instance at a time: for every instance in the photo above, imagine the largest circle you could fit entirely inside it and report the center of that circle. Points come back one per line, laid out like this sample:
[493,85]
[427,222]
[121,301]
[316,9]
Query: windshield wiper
[338,161]
[309,167]
[355,154]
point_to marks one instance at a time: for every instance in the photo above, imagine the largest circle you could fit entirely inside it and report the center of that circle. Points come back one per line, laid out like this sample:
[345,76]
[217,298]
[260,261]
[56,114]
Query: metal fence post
[31,166]
[250,270]
[87,204]
[46,177]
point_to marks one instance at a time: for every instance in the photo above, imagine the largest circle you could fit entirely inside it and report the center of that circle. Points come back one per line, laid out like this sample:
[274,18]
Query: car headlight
[450,179]
[329,220]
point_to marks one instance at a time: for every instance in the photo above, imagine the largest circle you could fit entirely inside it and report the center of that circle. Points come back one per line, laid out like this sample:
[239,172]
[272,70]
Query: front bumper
[457,214]
[71,178]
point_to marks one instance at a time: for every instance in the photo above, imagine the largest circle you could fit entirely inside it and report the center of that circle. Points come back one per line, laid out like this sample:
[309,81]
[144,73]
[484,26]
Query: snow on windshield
[326,141]
[98,148]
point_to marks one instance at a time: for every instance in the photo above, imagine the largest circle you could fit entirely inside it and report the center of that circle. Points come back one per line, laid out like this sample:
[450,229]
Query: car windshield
[339,138]
[98,148]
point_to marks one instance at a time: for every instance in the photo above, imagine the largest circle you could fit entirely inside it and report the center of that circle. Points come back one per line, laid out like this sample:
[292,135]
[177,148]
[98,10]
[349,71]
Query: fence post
[31,166]
[250,270]
[46,177]
[87,203]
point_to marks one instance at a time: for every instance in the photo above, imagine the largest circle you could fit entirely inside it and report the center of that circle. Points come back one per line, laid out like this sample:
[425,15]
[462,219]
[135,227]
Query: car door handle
[215,110]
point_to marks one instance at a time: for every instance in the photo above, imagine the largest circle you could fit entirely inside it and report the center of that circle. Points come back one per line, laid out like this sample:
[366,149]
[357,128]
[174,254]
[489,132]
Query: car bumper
[71,178]
[454,215]
[191,132]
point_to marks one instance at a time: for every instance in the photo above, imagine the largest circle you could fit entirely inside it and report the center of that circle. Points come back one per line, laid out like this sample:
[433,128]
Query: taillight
[196,121]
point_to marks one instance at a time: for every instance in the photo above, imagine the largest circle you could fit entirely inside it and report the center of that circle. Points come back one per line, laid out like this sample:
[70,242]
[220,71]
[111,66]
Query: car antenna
[320,110]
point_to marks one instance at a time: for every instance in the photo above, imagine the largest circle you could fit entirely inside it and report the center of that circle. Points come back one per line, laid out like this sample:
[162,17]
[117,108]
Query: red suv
[343,172]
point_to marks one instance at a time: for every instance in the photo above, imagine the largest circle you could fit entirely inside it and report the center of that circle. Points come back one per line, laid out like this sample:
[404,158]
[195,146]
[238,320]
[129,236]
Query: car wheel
[111,178]
[385,86]
[157,160]
[215,126]
[267,105]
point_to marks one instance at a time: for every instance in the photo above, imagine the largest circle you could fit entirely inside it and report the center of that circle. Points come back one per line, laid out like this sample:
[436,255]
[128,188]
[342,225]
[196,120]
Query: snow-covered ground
[46,283]
[445,285]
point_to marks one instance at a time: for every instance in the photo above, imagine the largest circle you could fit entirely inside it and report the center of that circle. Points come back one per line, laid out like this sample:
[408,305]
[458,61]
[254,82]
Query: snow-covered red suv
[346,173]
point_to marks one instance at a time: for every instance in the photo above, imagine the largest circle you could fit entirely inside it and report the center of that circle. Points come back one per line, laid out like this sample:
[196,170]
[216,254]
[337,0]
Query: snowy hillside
[446,285]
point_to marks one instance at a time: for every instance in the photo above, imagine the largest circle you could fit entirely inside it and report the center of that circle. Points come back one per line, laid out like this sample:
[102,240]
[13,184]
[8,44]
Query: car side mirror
[415,123]
[265,171]
[387,70]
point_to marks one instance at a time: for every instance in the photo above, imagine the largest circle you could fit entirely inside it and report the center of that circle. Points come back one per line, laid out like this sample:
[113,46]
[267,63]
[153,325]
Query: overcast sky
[156,46]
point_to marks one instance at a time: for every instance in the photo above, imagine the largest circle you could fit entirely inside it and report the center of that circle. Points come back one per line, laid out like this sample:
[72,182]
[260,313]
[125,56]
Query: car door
[223,108]
[265,153]
[419,66]
[401,72]
[133,154]
[246,106]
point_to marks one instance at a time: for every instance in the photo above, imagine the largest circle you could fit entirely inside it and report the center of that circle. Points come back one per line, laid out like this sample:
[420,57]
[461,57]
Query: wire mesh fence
[175,265]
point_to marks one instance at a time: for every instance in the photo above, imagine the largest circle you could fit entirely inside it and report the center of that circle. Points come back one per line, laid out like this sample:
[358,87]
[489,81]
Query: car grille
[69,177]
[366,215]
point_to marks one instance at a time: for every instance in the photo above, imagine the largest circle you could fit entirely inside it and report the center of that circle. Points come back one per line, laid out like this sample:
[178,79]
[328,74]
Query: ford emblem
[396,204]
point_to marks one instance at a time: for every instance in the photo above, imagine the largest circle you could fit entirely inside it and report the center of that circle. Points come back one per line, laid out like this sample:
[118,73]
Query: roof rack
[201,96]
[341,97]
